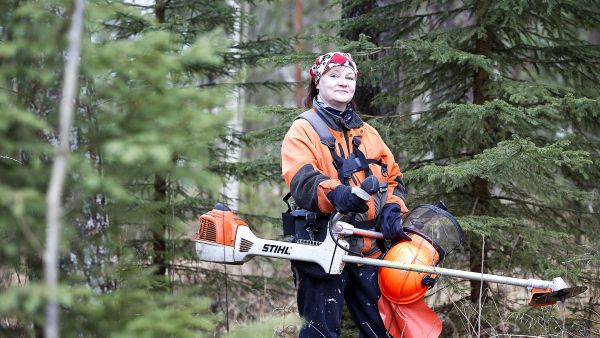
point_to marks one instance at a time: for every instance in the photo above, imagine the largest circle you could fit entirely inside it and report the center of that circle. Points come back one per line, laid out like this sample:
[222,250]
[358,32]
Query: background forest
[491,106]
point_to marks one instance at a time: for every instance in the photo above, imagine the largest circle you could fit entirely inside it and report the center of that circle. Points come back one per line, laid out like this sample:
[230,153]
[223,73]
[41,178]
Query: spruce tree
[492,106]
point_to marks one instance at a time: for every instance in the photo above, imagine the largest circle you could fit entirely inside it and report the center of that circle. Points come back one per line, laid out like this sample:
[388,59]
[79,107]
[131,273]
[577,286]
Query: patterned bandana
[327,61]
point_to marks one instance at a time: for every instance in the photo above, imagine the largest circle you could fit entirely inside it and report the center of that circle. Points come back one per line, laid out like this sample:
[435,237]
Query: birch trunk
[59,171]
[231,186]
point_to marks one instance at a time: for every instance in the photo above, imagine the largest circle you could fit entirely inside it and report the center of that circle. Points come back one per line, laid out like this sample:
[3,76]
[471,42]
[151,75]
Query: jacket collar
[335,118]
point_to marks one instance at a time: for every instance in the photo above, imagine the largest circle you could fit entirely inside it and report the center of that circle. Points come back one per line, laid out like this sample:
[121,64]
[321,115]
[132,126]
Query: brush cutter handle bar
[367,233]
[349,229]
[335,219]
[529,283]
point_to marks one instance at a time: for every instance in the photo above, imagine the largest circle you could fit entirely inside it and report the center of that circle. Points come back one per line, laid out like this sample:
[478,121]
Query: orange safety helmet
[401,286]
[434,233]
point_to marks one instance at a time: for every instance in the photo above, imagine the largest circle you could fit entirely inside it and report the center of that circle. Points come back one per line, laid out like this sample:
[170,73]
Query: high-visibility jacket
[308,165]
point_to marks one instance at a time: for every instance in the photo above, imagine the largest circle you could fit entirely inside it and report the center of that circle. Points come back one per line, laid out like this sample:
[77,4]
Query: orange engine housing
[401,286]
[219,226]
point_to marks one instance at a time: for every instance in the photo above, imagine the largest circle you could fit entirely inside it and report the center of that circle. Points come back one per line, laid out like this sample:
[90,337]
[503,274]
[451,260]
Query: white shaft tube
[530,283]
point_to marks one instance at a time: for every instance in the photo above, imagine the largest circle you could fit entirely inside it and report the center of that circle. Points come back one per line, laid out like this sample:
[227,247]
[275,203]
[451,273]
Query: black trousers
[321,301]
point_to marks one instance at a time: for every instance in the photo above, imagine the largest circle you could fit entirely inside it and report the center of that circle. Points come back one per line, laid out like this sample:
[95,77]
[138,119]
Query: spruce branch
[542,205]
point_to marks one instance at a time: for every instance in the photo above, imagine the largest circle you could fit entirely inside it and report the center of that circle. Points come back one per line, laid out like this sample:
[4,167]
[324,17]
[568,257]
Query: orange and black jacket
[308,165]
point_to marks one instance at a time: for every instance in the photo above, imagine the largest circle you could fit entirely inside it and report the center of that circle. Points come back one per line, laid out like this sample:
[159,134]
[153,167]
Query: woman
[320,175]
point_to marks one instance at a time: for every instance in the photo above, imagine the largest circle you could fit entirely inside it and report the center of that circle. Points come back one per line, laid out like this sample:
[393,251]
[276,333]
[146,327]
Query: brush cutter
[407,271]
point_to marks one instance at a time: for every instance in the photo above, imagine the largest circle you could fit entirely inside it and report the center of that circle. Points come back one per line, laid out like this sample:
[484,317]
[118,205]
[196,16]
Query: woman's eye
[350,78]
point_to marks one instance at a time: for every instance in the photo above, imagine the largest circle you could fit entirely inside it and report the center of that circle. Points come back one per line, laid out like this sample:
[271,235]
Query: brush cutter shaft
[535,283]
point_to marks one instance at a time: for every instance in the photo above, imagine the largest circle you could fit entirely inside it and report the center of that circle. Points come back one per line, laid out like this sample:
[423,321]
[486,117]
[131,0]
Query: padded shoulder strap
[319,126]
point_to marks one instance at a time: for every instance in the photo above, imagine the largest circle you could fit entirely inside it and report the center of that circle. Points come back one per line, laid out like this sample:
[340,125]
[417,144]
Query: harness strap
[317,123]
[383,166]
[286,199]
[327,139]
[361,157]
[338,163]
[345,166]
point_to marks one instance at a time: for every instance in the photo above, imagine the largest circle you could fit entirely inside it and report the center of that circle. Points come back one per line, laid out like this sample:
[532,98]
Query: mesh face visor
[437,226]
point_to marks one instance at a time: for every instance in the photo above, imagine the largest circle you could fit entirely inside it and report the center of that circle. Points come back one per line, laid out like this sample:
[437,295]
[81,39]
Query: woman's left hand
[391,223]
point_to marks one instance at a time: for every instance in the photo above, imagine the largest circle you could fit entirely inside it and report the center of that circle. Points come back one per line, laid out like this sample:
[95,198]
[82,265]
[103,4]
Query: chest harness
[345,166]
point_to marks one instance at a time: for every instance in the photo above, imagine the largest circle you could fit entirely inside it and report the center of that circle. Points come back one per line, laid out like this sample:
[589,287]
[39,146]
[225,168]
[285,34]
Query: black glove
[391,223]
[345,201]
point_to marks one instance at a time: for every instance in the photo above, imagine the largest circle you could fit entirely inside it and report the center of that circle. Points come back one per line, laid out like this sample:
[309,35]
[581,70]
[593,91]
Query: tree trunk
[365,92]
[59,172]
[159,243]
[480,189]
[298,25]
[35,267]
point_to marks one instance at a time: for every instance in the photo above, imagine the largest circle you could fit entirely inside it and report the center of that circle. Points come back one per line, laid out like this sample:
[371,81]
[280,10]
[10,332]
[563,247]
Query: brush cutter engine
[224,238]
[215,239]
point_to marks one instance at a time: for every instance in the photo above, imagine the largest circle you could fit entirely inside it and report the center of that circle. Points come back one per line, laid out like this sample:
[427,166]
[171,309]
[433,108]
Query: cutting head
[559,291]
[542,297]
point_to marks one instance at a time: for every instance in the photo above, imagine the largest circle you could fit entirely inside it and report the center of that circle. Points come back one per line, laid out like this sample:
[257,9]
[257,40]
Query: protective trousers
[321,301]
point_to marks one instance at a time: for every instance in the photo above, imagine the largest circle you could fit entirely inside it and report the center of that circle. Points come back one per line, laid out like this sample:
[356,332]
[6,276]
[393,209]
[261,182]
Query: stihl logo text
[278,249]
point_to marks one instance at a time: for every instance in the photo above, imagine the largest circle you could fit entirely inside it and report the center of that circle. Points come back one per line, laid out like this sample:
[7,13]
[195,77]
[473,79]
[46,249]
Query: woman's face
[336,87]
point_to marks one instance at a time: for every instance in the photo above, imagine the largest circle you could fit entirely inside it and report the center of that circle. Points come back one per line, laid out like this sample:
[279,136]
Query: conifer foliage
[139,153]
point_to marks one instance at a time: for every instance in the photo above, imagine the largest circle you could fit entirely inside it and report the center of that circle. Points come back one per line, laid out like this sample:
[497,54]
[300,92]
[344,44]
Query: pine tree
[507,134]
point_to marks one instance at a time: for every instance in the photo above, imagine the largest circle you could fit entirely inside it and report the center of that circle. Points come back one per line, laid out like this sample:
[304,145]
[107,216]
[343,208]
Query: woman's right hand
[345,201]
